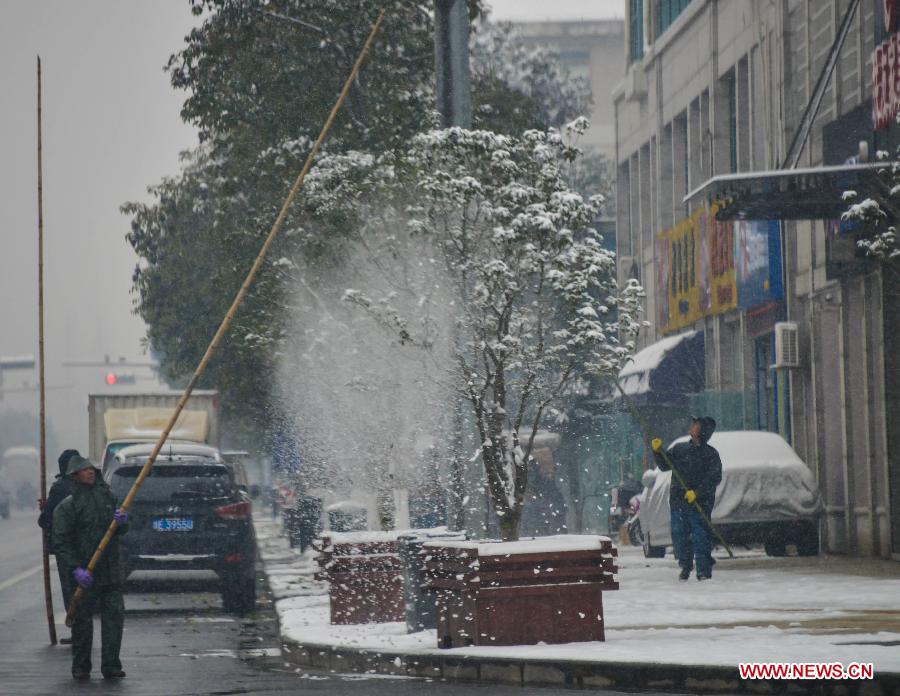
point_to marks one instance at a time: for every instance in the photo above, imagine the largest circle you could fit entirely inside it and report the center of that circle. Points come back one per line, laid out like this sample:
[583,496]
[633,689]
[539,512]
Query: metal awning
[665,372]
[793,194]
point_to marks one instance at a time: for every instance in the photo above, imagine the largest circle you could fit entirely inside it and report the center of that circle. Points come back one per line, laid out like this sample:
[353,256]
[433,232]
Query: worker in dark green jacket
[79,523]
[60,490]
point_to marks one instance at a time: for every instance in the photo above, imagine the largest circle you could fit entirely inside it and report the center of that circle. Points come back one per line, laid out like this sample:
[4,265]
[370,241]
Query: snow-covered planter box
[364,576]
[546,589]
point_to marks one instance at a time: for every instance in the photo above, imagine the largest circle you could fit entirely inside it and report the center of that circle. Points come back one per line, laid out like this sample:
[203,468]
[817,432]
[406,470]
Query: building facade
[594,51]
[738,126]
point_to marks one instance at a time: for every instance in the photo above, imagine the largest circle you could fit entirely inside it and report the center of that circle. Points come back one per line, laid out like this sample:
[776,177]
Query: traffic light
[116,378]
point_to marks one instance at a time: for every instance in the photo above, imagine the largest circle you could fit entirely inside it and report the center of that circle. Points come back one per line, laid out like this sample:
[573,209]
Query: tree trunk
[509,524]
[456,516]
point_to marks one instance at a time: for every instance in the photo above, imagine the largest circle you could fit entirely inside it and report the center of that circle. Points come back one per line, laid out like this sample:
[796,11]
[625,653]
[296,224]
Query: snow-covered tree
[548,95]
[532,292]
[259,77]
[878,219]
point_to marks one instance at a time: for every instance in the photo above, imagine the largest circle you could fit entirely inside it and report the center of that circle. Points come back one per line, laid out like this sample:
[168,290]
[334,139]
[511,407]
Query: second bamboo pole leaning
[48,597]
[226,322]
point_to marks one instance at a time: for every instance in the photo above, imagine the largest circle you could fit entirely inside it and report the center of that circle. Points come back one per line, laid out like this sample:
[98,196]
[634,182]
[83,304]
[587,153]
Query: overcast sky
[540,10]
[111,128]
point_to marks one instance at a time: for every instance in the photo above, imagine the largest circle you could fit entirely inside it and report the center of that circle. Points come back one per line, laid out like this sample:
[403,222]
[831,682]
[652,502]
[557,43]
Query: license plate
[173,524]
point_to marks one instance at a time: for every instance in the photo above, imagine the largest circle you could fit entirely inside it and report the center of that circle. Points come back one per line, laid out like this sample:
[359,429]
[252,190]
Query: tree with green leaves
[260,76]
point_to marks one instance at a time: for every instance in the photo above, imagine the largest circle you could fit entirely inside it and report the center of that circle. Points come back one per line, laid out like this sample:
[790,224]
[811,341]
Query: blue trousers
[690,537]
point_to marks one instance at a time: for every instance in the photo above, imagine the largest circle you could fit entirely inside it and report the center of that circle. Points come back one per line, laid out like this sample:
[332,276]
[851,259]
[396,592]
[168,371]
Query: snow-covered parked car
[767,495]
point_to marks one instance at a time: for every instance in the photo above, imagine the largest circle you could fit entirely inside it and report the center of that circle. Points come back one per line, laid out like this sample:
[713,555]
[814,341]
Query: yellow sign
[698,256]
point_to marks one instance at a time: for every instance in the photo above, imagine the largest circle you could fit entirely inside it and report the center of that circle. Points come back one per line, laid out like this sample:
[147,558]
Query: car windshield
[175,481]
[111,450]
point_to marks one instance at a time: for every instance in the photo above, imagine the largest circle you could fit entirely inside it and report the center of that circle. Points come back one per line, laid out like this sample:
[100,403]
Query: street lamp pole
[454,102]
[451,58]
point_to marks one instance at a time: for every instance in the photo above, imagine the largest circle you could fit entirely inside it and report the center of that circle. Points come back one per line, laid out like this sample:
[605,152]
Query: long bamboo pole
[226,322]
[677,474]
[48,595]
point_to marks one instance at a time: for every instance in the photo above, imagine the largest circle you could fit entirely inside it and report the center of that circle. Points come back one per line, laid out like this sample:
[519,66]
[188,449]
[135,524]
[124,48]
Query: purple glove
[83,577]
[120,516]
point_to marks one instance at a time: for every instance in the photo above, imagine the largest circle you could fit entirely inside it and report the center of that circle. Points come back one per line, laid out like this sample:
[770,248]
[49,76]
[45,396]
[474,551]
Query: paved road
[178,641]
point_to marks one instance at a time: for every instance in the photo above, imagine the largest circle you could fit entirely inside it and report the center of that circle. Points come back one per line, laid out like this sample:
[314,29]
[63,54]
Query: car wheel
[775,543]
[652,551]
[635,535]
[808,539]
[239,594]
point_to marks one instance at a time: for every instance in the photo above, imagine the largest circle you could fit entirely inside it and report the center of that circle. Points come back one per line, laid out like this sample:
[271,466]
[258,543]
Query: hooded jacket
[79,523]
[60,490]
[699,465]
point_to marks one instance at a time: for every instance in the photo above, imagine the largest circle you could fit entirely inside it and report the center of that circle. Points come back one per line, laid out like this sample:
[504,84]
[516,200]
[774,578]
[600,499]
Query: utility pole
[451,62]
[454,101]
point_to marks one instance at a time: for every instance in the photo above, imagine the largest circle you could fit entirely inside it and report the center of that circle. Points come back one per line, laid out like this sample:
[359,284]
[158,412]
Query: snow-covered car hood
[763,480]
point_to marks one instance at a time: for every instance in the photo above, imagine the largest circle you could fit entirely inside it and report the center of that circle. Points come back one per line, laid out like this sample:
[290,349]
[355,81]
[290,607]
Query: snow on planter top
[385,537]
[350,552]
[552,560]
[349,506]
[428,532]
[547,544]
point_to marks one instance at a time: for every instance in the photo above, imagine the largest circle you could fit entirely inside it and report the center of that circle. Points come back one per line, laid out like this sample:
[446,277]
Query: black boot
[685,573]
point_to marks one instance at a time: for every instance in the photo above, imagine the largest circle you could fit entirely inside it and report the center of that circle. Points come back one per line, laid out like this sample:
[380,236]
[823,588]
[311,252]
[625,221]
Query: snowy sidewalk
[756,608]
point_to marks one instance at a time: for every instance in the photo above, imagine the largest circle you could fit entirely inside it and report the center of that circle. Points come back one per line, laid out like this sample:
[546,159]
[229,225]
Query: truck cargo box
[116,420]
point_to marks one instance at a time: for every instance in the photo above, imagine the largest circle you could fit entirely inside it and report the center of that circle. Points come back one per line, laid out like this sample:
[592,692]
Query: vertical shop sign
[757,252]
[695,270]
[702,221]
[663,263]
[684,305]
[722,277]
[890,14]
[886,81]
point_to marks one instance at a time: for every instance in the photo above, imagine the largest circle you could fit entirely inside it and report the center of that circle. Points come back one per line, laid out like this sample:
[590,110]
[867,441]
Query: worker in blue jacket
[698,471]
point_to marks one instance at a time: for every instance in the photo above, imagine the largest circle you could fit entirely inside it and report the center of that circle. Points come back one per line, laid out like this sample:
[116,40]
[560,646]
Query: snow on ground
[755,609]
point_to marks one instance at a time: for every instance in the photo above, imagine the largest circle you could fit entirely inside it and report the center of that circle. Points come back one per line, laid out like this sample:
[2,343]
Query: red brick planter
[364,576]
[510,594]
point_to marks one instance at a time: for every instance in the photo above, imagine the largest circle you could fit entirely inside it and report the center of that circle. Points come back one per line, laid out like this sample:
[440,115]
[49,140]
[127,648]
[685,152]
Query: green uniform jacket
[79,523]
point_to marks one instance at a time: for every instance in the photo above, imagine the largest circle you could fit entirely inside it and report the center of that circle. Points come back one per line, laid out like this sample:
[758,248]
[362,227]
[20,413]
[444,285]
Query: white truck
[122,419]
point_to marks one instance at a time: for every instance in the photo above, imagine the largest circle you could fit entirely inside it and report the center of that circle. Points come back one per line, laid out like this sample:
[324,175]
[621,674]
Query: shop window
[731,86]
[763,353]
[667,11]
[635,29]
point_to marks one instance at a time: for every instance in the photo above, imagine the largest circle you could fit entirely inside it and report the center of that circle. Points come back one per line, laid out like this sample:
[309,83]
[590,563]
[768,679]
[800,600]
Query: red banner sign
[886,82]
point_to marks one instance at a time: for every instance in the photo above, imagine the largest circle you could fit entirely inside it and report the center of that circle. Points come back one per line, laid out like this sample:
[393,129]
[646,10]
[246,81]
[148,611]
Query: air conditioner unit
[787,350]
[635,82]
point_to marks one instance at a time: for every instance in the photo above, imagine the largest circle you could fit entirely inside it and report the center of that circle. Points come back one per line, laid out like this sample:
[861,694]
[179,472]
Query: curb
[626,676]
[571,674]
